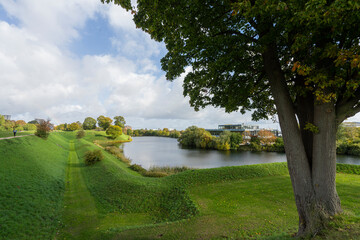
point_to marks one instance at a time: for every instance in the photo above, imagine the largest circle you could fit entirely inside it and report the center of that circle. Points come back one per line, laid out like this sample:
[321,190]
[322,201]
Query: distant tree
[129,131]
[29,127]
[2,120]
[266,137]
[235,140]
[119,121]
[174,134]
[20,122]
[33,122]
[195,137]
[223,142]
[43,129]
[79,123]
[165,132]
[74,126]
[19,127]
[60,127]
[114,131]
[9,124]
[104,122]
[89,123]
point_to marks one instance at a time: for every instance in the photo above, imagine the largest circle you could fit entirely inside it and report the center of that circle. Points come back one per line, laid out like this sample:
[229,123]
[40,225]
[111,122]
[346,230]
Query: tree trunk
[324,159]
[314,206]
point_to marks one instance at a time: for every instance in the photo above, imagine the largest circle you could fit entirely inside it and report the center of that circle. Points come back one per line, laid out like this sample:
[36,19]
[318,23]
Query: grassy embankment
[239,202]
[109,201]
[32,180]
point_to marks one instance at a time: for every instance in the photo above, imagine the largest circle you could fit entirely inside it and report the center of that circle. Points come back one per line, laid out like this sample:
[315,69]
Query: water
[161,151]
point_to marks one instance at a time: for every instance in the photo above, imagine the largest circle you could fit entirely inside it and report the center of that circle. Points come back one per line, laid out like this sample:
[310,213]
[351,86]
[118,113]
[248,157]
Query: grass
[110,201]
[32,182]
[80,213]
[258,208]
[11,134]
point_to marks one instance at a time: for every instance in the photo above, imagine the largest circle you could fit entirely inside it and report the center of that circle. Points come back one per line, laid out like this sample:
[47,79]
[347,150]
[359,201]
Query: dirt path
[16,137]
[80,213]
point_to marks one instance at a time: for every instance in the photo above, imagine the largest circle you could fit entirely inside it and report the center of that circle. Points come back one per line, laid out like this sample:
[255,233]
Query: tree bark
[314,206]
[324,159]
[305,113]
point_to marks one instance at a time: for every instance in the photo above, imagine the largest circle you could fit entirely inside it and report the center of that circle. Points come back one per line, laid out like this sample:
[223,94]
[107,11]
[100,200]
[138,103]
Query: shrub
[94,156]
[80,134]
[116,151]
[43,129]
[155,174]
[114,131]
[137,168]
[169,170]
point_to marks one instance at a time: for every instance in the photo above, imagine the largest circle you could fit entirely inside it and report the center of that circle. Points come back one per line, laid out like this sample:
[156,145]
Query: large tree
[104,122]
[119,121]
[89,123]
[297,58]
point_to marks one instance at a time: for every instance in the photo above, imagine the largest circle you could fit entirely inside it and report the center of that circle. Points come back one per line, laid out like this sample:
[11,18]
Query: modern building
[247,130]
[240,128]
[351,124]
[7,117]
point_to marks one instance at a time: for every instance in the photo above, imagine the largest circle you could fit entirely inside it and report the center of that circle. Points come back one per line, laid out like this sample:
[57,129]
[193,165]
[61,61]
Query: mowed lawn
[47,192]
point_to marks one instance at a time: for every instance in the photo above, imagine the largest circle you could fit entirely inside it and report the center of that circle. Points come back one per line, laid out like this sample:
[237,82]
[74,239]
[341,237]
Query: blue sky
[68,60]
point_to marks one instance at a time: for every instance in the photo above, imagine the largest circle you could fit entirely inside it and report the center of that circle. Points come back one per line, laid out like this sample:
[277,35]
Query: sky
[72,59]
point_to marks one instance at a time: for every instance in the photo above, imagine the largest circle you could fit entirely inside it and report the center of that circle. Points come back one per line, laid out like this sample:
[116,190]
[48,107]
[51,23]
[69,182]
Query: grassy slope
[109,201]
[32,173]
[259,208]
[235,202]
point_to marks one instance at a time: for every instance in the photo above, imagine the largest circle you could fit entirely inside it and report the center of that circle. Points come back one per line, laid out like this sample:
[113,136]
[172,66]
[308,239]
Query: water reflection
[159,151]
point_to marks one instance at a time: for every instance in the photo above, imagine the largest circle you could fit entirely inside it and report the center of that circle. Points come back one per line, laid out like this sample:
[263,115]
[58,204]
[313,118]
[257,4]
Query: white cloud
[41,78]
[54,21]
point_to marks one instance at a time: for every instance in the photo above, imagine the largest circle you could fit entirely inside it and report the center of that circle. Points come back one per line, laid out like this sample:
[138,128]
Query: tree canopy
[119,121]
[114,131]
[104,122]
[89,123]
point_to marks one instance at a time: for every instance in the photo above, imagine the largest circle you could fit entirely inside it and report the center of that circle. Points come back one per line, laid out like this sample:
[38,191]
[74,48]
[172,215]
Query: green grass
[32,181]
[110,201]
[80,213]
[11,134]
[258,208]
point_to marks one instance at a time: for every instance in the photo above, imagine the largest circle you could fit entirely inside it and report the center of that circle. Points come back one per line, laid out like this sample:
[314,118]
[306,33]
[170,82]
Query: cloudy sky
[67,60]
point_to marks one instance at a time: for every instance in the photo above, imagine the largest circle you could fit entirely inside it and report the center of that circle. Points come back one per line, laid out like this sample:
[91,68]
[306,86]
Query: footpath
[16,137]
[80,213]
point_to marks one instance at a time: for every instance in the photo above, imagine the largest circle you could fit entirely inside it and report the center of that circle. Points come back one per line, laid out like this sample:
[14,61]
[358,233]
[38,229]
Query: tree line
[165,132]
[195,137]
[19,125]
[102,123]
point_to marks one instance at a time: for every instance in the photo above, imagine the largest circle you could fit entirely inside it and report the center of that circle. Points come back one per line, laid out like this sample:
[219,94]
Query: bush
[155,174]
[116,151]
[80,134]
[137,168]
[114,131]
[43,129]
[92,157]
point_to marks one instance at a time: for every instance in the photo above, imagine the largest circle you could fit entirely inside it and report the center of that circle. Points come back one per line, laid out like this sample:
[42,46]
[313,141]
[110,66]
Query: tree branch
[346,109]
[233,32]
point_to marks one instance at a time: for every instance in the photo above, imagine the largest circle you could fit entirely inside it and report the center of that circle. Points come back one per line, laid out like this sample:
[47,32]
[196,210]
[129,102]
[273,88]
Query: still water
[161,151]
